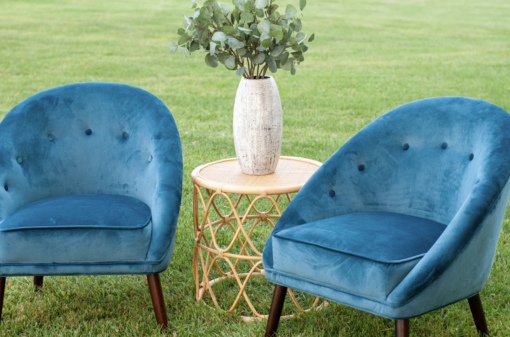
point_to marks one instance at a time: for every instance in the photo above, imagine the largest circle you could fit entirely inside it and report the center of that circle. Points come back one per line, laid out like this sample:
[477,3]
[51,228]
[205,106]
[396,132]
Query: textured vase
[258,126]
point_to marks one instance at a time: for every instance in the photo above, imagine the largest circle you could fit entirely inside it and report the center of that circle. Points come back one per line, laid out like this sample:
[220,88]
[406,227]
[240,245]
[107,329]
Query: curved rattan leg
[276,310]
[475,304]
[2,292]
[157,300]
[38,282]
[402,328]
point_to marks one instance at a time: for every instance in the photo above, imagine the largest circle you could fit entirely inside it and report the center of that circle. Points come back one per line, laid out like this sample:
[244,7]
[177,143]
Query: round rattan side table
[228,218]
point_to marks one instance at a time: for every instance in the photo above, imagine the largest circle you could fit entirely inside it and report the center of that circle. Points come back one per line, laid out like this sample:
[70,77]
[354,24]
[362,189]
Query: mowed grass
[367,57]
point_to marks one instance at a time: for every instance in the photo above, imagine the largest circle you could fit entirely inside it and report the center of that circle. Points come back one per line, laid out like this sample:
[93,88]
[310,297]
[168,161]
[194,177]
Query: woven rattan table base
[223,182]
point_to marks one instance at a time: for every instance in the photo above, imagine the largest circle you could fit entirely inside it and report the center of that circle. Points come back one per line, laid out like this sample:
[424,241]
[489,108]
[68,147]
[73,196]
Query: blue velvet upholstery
[434,173]
[397,242]
[91,178]
[91,226]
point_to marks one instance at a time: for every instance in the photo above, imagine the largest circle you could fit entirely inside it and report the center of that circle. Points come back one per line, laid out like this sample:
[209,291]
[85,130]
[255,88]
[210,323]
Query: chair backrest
[423,159]
[97,138]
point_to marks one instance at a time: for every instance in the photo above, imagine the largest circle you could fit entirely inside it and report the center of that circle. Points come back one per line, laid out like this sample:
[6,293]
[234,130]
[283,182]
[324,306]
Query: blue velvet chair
[404,218]
[91,184]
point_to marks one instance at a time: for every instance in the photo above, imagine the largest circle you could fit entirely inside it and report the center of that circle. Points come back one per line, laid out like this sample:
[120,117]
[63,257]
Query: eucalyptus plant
[250,39]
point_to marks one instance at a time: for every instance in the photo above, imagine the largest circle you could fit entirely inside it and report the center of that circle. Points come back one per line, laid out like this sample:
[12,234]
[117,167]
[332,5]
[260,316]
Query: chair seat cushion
[77,228]
[365,254]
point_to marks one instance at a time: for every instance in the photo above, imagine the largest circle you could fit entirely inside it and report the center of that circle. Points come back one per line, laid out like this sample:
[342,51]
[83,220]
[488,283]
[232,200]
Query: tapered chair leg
[157,300]
[276,310]
[38,282]
[2,292]
[475,303]
[402,328]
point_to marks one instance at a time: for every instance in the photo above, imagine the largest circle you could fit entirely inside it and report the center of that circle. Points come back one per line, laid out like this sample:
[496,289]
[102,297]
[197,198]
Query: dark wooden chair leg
[38,282]
[475,303]
[402,328]
[157,300]
[276,310]
[2,292]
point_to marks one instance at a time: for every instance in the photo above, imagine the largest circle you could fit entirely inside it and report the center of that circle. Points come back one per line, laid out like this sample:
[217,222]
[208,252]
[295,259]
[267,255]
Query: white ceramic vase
[258,126]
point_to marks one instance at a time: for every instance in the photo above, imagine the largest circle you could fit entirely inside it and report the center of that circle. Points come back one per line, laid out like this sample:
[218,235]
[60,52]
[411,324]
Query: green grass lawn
[368,57]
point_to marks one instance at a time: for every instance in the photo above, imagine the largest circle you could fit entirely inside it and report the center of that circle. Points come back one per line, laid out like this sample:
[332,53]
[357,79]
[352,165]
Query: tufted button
[471,156]
[6,187]
[19,160]
[444,146]
[331,193]
[150,158]
[405,146]
[361,167]
[125,135]
[88,132]
[51,137]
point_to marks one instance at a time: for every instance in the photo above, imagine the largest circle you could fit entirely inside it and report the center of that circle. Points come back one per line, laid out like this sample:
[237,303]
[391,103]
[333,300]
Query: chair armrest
[471,236]
[165,213]
[166,200]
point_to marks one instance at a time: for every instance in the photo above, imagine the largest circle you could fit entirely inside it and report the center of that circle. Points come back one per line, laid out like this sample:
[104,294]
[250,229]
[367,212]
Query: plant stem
[264,70]
[252,69]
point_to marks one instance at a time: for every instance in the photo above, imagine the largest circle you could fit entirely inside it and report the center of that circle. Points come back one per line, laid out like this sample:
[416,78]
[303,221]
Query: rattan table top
[226,176]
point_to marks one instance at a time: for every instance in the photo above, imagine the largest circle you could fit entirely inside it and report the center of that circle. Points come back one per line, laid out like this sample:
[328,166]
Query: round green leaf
[290,11]
[229,30]
[271,65]
[219,37]
[298,25]
[194,46]
[283,23]
[267,43]
[185,38]
[287,65]
[230,62]
[259,58]
[247,17]
[284,57]
[211,61]
[302,4]
[240,71]
[222,57]
[264,27]
[236,13]
[235,43]
[225,9]
[276,34]
[276,27]
[292,69]
[212,48]
[247,6]
[277,51]
[205,14]
[312,37]
[265,36]
[173,46]
[300,36]
[261,4]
